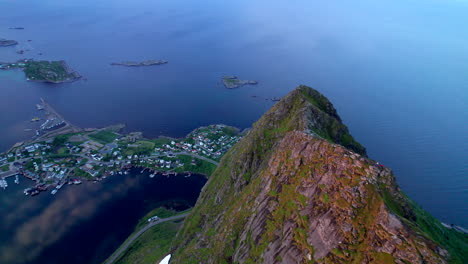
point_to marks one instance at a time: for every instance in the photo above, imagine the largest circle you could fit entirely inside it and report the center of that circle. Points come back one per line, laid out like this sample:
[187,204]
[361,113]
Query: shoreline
[63,153]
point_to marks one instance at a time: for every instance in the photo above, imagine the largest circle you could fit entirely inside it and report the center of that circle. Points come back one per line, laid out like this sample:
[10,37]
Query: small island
[232,82]
[7,42]
[44,71]
[139,64]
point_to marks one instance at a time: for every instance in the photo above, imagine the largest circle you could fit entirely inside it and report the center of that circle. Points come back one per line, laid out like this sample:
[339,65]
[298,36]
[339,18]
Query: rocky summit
[298,188]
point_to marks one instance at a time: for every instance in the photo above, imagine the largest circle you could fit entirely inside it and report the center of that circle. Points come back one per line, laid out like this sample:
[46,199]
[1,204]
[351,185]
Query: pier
[62,125]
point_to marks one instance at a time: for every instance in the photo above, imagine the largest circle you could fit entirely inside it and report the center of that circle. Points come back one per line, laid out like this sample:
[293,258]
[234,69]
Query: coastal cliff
[299,189]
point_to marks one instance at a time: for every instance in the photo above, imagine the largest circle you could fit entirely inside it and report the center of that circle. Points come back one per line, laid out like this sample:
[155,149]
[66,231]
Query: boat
[76,182]
[54,191]
[59,186]
[16,179]
[152,175]
[39,107]
[27,191]
[35,119]
[3,183]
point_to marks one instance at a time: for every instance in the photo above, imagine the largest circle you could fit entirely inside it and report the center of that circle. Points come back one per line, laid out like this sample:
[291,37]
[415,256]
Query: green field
[104,136]
[62,151]
[159,142]
[5,168]
[82,174]
[140,148]
[201,167]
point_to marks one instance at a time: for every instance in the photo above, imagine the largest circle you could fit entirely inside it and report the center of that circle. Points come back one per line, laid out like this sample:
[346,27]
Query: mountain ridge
[299,189]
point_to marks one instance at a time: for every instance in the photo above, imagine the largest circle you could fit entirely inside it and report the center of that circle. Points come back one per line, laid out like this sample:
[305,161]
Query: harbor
[62,153]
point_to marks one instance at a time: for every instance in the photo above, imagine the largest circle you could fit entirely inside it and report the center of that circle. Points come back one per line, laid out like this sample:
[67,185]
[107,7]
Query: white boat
[16,179]
[152,175]
[3,183]
[59,186]
[26,191]
[54,191]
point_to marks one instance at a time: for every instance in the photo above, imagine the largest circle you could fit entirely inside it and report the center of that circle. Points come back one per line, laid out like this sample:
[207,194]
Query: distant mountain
[298,188]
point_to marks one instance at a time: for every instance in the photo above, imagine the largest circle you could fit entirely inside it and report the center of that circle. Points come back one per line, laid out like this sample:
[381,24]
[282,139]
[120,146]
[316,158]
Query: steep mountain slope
[299,189]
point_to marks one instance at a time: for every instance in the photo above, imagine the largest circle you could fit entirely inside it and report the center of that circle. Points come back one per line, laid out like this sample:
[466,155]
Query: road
[125,246]
[197,156]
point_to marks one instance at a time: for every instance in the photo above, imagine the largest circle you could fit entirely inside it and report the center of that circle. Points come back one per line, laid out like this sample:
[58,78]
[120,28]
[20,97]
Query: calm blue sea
[84,223]
[397,71]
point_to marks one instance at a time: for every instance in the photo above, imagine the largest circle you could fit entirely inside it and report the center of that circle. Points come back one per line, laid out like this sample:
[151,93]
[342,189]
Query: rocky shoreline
[7,42]
[232,82]
[44,71]
[139,64]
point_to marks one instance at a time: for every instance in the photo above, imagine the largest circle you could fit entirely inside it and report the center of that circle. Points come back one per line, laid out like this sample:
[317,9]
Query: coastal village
[63,154]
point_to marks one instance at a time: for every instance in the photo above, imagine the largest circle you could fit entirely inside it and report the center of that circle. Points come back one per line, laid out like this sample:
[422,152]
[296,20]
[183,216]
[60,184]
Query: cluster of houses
[98,159]
[210,142]
[19,64]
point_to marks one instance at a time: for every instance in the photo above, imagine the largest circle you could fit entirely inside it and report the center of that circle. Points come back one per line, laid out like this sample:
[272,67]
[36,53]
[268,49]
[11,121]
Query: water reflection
[37,225]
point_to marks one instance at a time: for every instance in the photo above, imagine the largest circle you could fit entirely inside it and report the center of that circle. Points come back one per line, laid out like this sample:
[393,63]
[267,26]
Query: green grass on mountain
[155,243]
[425,224]
[216,228]
[152,246]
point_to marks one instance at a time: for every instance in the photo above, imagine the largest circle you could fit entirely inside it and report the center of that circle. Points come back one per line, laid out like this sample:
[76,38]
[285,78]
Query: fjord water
[395,70]
[85,223]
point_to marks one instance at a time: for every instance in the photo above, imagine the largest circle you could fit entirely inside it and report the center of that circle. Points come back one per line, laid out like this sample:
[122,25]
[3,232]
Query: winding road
[125,246]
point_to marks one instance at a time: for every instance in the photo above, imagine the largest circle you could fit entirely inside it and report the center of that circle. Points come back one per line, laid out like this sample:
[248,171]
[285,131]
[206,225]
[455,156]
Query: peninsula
[139,64]
[43,71]
[7,42]
[232,82]
[62,153]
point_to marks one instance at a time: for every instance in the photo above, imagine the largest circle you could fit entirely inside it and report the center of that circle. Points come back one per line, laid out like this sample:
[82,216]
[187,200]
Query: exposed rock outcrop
[7,42]
[139,64]
[299,189]
[232,82]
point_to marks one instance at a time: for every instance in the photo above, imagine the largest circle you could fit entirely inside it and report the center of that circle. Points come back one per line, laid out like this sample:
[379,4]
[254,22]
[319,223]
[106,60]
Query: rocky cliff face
[299,189]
